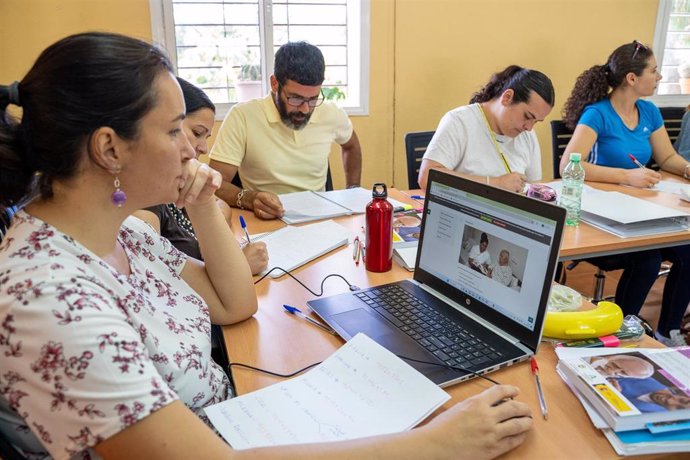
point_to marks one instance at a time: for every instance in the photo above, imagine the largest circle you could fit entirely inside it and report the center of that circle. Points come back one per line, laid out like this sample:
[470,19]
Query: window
[672,50]
[226,47]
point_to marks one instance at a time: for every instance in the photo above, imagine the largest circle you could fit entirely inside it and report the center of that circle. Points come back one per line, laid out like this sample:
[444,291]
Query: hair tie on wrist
[13,91]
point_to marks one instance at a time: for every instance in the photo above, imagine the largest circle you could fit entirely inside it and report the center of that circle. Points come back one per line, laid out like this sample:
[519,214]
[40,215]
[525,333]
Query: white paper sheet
[361,390]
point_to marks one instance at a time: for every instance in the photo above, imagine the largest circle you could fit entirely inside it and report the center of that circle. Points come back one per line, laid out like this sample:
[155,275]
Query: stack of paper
[639,398]
[361,390]
[627,216]
[406,257]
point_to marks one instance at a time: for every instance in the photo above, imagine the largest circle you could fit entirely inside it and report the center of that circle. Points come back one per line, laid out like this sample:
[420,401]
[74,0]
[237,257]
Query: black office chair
[560,136]
[673,117]
[415,146]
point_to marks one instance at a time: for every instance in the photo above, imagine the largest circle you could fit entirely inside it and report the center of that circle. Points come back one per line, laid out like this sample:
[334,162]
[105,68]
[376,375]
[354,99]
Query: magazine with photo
[631,389]
[407,227]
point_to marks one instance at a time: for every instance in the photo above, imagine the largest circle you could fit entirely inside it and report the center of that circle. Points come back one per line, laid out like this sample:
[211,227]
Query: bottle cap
[379,191]
[576,157]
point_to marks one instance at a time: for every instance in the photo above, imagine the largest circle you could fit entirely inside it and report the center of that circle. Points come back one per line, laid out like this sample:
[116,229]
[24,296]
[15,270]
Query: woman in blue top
[611,126]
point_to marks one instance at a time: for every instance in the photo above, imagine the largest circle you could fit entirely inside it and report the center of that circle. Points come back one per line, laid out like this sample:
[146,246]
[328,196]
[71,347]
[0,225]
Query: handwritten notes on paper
[361,390]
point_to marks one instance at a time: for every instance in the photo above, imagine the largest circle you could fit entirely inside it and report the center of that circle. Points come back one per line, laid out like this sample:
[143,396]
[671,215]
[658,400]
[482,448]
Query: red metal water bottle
[379,231]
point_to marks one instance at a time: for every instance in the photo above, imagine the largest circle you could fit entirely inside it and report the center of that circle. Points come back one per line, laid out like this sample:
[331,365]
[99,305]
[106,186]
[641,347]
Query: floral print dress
[86,351]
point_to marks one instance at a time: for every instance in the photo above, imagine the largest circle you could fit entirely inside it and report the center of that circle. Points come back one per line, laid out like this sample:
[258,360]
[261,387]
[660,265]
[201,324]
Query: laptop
[477,300]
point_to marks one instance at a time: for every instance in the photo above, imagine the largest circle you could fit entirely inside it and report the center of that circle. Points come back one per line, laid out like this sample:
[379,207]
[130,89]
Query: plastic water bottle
[379,231]
[571,190]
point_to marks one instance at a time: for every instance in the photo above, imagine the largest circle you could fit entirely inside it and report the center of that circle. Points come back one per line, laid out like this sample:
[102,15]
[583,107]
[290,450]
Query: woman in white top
[120,365]
[491,140]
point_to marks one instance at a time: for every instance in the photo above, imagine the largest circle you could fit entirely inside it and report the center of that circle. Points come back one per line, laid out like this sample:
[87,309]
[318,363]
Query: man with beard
[280,143]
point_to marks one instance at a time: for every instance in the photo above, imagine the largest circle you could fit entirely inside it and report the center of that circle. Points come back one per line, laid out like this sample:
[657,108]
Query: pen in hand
[540,392]
[297,312]
[244,227]
[636,161]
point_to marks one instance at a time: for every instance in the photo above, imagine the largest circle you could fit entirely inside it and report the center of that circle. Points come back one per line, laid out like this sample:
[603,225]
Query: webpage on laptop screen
[492,252]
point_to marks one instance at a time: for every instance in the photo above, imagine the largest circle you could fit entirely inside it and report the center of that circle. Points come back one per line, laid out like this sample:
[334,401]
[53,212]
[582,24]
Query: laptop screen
[492,251]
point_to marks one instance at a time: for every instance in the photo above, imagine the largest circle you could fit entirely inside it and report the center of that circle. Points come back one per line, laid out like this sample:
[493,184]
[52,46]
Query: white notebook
[307,206]
[360,390]
[291,247]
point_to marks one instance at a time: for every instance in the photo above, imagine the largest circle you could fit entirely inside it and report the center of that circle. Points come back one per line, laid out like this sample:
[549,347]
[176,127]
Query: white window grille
[226,47]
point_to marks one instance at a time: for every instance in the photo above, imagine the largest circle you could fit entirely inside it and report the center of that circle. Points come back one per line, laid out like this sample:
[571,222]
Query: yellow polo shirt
[272,157]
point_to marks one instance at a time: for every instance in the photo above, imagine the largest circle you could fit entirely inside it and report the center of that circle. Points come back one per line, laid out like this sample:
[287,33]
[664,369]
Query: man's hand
[266,205]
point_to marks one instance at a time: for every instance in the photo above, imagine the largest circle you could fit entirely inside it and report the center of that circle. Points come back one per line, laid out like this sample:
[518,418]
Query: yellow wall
[427,56]
[447,49]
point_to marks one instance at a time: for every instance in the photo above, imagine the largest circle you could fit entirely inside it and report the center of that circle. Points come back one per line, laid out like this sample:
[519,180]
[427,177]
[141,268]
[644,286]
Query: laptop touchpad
[377,328]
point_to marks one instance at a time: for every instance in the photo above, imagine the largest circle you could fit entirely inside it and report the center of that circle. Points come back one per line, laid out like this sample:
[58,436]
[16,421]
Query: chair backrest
[415,146]
[673,116]
[237,181]
[560,136]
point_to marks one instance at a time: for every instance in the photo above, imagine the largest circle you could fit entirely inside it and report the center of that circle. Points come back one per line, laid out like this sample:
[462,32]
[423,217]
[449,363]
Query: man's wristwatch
[239,198]
[685,172]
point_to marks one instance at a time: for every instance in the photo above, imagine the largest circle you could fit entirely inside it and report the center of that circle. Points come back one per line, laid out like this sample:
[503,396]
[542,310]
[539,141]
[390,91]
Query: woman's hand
[200,184]
[642,177]
[483,426]
[257,256]
[513,182]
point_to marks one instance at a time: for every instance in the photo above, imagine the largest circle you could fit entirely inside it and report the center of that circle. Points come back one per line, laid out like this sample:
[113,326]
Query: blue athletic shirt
[615,140]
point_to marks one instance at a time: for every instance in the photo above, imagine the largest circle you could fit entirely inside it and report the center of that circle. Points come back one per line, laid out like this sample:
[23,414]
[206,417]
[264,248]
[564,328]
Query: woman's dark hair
[594,83]
[194,97]
[483,238]
[300,62]
[77,85]
[522,81]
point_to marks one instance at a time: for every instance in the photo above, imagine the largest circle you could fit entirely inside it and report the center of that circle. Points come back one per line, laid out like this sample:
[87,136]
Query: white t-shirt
[85,351]
[479,258]
[462,143]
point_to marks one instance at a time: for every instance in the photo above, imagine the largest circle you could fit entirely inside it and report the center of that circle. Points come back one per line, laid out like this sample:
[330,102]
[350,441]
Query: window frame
[660,31]
[163,33]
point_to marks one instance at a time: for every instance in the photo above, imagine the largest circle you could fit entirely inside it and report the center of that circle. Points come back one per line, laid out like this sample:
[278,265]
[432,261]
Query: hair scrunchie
[13,92]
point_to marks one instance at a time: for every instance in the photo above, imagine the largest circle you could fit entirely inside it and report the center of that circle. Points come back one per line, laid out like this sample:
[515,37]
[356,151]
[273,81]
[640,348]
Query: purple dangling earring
[118,197]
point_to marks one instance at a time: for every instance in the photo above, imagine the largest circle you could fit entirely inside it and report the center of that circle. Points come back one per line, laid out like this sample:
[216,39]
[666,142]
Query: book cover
[407,227]
[630,389]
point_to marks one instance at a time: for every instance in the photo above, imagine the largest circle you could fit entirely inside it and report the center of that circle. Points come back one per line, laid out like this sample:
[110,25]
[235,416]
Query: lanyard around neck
[493,138]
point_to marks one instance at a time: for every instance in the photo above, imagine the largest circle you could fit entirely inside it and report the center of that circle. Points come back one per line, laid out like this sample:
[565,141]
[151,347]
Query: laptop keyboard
[447,340]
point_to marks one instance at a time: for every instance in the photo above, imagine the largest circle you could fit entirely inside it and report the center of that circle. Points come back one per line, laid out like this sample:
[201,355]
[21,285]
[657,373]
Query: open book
[360,390]
[631,389]
[307,206]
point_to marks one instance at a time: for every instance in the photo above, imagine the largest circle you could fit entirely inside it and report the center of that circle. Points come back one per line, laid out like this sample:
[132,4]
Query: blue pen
[244,227]
[297,312]
[417,197]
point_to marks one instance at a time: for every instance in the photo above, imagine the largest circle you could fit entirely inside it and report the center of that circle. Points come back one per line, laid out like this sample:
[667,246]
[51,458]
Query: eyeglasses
[296,101]
[638,46]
